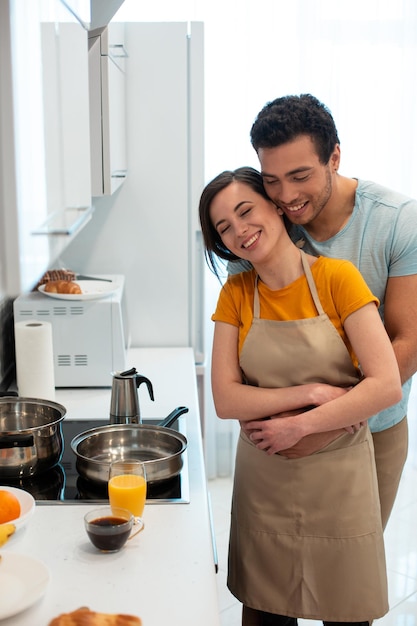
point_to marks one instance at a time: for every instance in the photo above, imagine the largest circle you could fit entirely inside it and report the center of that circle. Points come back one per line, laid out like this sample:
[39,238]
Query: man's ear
[334,160]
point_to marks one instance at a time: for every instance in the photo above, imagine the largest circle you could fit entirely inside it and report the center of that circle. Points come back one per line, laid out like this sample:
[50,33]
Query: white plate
[91,290]
[23,581]
[27,505]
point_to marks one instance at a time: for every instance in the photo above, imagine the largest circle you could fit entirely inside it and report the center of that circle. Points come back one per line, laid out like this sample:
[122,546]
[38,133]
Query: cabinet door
[42,178]
[66,115]
[73,84]
[114,123]
[107,67]
[94,13]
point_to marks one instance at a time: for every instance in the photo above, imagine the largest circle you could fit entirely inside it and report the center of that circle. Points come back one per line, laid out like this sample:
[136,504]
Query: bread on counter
[85,617]
[51,275]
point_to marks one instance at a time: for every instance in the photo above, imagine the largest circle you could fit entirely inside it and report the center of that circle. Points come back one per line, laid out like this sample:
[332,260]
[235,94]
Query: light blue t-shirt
[380,238]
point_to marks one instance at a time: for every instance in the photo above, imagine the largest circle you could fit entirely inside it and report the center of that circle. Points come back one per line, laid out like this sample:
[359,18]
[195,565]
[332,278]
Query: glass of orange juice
[127,485]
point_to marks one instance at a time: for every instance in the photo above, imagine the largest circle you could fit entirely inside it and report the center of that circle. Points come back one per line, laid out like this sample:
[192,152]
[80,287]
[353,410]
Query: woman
[306,536]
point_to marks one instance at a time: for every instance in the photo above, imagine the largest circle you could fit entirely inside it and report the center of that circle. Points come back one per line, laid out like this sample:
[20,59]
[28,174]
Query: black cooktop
[62,484]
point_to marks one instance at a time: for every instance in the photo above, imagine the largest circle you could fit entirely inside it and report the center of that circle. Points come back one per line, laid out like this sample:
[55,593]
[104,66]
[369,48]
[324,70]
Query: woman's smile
[253,239]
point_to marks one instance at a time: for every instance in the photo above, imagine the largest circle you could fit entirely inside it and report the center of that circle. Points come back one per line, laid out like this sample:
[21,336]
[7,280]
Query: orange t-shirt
[340,286]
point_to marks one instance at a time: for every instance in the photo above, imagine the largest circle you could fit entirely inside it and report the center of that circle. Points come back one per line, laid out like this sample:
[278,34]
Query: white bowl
[27,505]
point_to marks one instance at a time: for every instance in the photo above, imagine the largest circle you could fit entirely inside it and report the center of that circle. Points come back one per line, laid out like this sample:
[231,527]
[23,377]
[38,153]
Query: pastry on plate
[85,617]
[55,275]
[62,286]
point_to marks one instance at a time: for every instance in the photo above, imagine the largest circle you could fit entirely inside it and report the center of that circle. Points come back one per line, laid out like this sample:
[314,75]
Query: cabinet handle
[117,50]
[119,174]
[66,222]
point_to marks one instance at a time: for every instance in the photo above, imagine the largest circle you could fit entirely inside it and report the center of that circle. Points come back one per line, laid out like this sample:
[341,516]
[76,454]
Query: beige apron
[306,536]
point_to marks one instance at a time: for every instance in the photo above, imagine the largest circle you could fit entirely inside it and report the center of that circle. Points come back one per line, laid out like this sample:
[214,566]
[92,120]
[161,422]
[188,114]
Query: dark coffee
[108,533]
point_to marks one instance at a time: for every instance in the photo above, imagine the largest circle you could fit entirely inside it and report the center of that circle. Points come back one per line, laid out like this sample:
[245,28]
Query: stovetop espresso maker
[124,403]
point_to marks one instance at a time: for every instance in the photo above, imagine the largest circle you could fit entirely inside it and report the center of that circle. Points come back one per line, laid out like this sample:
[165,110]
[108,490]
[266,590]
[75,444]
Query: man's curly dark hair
[289,117]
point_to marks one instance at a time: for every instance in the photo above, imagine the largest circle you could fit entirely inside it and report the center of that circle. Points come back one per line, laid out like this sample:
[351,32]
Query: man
[298,148]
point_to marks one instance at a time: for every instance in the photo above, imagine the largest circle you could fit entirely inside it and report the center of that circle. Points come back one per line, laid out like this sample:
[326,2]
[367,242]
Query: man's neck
[337,211]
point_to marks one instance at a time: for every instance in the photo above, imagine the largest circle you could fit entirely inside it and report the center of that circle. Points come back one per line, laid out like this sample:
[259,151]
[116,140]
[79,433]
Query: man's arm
[401,322]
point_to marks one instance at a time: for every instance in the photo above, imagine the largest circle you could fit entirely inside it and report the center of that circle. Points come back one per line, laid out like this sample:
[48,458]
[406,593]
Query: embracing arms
[336,408]
[235,400]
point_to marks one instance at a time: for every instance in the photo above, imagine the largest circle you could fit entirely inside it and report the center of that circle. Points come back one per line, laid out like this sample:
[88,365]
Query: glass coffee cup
[108,528]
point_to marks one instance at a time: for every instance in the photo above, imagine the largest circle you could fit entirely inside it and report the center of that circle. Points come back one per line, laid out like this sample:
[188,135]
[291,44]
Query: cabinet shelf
[67,222]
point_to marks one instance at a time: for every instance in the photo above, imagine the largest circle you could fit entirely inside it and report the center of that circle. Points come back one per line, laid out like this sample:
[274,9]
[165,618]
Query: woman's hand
[273,438]
[274,435]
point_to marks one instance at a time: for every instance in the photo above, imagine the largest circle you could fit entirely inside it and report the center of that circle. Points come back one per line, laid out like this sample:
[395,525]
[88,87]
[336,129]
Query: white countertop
[166,574]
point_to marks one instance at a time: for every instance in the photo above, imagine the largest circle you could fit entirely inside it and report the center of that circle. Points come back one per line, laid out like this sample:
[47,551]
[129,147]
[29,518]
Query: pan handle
[173,416]
[16,441]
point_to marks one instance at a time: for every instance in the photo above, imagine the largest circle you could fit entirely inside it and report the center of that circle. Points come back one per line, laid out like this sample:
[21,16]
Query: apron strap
[310,281]
[256,307]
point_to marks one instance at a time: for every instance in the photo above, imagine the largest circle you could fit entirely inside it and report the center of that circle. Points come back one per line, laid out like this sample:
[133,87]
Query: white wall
[359,58]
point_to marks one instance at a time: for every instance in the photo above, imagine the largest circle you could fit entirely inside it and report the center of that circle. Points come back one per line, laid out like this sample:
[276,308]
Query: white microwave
[90,337]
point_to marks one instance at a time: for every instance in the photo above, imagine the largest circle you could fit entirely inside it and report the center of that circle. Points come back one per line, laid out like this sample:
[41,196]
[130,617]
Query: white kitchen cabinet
[66,112]
[45,182]
[94,13]
[107,69]
[152,221]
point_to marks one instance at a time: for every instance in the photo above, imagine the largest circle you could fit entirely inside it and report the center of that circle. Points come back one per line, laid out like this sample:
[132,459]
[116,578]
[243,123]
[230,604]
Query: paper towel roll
[34,360]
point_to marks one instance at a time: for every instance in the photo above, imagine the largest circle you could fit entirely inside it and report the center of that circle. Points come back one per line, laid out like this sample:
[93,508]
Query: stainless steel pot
[159,447]
[31,439]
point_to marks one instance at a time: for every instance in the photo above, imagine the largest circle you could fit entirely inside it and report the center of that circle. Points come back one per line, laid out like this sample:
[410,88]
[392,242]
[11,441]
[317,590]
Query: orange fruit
[9,506]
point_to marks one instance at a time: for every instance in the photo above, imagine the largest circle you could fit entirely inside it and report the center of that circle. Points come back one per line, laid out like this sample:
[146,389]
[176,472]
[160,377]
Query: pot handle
[16,441]
[174,415]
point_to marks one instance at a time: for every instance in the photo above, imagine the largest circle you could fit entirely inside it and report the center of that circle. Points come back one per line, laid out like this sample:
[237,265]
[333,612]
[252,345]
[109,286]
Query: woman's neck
[281,270]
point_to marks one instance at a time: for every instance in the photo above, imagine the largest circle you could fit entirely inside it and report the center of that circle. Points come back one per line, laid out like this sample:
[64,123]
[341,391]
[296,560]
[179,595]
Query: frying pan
[159,447]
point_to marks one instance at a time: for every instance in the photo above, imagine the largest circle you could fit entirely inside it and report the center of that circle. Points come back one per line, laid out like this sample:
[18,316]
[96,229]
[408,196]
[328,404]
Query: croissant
[85,617]
[62,286]
[51,275]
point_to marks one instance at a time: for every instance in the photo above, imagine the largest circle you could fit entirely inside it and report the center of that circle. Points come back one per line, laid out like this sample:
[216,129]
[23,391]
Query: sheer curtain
[358,57]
